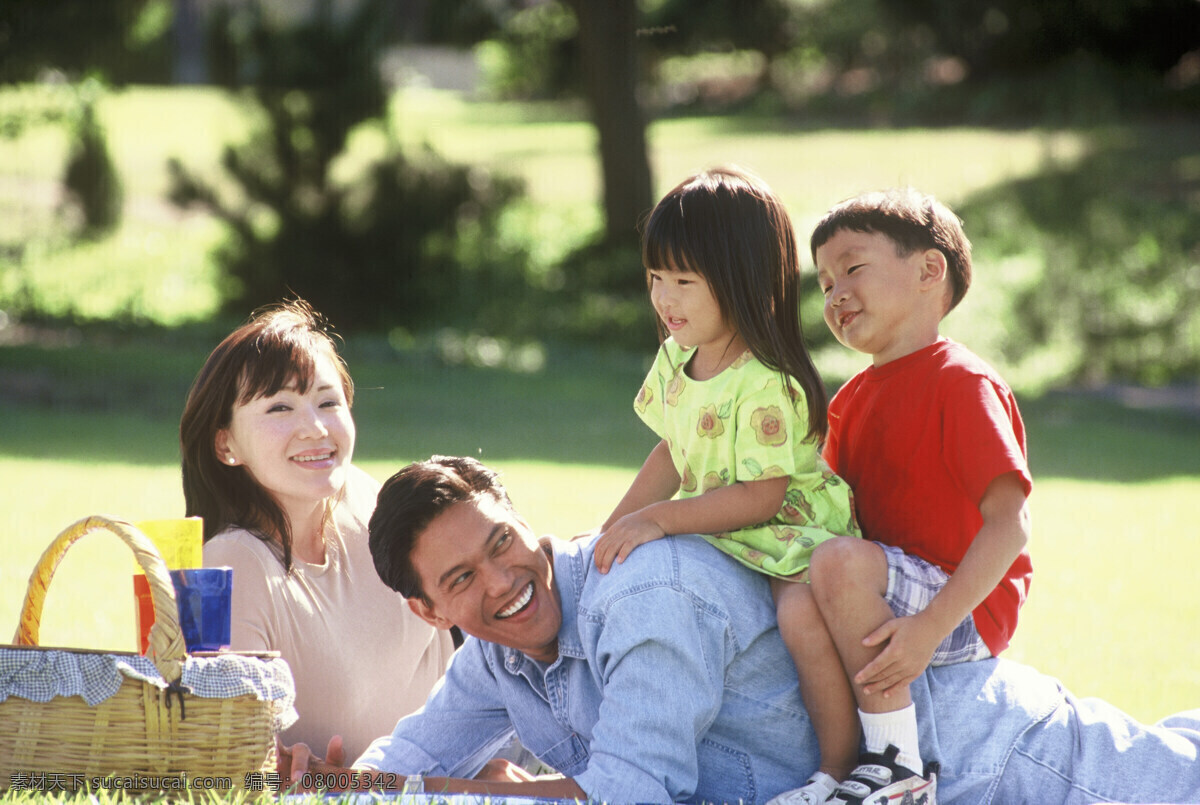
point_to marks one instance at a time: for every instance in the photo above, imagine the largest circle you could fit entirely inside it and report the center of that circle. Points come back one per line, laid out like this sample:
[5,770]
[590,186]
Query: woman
[267,439]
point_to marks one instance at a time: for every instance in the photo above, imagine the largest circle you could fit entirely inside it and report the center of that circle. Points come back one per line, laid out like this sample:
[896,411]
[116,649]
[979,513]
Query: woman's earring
[232,460]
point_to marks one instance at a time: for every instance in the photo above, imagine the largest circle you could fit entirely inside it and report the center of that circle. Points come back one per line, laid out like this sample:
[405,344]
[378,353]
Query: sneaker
[819,788]
[880,780]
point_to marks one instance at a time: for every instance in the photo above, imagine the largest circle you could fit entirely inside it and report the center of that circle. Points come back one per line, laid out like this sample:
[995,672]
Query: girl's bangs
[666,244]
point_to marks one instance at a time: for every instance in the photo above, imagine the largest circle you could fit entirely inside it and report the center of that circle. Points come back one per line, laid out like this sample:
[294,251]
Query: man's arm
[662,660]
[300,768]
[912,640]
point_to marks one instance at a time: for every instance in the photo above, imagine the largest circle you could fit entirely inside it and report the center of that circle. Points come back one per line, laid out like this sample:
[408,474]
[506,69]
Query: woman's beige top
[360,658]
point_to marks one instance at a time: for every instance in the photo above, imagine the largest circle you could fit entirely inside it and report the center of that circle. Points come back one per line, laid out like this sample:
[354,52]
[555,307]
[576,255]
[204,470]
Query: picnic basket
[151,733]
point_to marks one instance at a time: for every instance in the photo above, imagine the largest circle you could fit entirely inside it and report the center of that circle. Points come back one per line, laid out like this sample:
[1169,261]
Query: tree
[1013,37]
[396,244]
[78,37]
[609,63]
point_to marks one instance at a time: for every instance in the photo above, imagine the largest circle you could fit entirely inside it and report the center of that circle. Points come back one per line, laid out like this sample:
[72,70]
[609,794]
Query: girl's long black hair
[730,227]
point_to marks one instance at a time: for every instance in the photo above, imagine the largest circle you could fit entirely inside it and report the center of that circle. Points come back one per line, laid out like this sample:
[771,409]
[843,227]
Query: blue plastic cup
[204,597]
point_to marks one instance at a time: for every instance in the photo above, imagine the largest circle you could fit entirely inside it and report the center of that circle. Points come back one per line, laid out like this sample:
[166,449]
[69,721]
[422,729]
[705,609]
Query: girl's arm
[726,508]
[656,480]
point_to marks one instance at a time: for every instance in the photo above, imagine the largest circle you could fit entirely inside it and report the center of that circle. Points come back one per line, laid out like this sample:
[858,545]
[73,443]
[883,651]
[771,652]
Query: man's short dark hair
[410,500]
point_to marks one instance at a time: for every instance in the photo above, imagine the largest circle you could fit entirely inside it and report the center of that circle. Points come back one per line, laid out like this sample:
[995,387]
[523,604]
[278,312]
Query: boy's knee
[845,561]
[834,556]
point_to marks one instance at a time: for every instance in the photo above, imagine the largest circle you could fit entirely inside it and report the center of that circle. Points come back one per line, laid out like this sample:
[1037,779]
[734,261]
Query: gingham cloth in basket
[41,675]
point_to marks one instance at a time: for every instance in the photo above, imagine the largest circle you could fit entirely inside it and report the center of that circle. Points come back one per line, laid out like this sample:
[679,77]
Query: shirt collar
[570,570]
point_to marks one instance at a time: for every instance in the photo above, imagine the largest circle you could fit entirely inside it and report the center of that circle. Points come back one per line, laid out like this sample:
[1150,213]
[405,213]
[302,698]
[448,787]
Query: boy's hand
[623,536]
[911,642]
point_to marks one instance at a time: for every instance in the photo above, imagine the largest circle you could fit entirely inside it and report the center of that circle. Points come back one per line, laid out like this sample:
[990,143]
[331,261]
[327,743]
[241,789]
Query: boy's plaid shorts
[912,584]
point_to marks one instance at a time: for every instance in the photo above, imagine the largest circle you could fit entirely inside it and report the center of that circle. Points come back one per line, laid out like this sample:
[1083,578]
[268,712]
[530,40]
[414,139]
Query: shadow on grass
[121,405]
[1085,437]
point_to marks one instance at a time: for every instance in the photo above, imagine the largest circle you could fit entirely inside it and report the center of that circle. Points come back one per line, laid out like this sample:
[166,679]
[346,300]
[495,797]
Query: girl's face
[685,303]
[296,446]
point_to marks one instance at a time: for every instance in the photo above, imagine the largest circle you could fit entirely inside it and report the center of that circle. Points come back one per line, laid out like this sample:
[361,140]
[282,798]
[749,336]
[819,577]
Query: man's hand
[293,761]
[911,642]
[623,536]
[505,771]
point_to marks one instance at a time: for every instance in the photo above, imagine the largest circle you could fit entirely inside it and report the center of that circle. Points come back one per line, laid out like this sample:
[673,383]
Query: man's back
[684,650]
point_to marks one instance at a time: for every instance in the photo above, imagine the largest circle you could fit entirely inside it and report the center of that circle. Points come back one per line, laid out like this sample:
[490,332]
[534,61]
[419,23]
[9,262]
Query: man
[666,680]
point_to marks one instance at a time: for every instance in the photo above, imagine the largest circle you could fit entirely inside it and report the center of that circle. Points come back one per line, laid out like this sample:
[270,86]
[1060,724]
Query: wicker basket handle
[166,647]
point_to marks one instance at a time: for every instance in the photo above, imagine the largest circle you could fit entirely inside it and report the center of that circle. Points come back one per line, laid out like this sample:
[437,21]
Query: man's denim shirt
[673,684]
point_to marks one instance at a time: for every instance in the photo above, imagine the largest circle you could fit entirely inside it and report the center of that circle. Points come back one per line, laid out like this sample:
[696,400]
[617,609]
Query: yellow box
[179,540]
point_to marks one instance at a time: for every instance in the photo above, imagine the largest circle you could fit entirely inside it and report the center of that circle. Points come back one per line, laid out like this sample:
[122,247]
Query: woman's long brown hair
[278,345]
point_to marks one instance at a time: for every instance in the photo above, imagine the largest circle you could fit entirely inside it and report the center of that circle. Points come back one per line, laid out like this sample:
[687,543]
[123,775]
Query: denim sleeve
[462,726]
[660,660]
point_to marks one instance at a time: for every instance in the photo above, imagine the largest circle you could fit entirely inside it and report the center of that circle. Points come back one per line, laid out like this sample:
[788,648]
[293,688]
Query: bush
[91,180]
[1104,285]
[402,241]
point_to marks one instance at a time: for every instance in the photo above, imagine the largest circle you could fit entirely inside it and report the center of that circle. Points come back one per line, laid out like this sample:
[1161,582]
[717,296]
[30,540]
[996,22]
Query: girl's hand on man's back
[623,536]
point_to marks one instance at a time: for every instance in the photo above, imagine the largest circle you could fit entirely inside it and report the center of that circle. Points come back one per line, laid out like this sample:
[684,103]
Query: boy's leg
[850,585]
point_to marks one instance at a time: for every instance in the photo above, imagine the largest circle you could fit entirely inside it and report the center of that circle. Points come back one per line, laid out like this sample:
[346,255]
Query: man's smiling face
[483,571]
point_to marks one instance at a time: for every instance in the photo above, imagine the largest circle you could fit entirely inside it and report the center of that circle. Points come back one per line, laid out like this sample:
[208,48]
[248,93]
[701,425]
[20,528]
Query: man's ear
[425,612]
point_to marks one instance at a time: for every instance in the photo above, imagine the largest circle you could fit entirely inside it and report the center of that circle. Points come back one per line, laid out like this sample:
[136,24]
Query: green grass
[1112,610]
[157,265]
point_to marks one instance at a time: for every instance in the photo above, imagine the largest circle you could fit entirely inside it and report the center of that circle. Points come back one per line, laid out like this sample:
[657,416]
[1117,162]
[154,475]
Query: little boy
[930,440]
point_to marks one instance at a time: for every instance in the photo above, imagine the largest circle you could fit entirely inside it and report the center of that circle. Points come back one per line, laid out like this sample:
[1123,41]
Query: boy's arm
[912,640]
[726,508]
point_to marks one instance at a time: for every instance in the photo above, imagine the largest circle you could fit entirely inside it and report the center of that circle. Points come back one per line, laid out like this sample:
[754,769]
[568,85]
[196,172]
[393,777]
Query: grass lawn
[157,265]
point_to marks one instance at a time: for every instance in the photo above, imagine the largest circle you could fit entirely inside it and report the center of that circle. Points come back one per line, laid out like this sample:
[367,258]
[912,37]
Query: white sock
[898,728]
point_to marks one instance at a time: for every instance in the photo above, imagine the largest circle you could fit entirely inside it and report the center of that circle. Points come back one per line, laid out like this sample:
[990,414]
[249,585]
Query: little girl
[741,410]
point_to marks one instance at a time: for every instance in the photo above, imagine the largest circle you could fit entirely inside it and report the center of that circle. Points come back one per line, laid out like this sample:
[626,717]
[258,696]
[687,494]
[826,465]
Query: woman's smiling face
[296,445]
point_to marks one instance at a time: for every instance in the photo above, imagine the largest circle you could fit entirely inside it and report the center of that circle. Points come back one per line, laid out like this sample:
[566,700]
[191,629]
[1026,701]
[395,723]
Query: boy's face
[877,301]
[483,570]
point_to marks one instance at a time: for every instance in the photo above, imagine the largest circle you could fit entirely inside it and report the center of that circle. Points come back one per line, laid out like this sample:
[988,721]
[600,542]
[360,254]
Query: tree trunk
[608,58]
[190,65]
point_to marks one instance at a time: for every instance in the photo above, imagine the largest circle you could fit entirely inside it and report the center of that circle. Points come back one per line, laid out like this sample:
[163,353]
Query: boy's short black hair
[408,503]
[913,221]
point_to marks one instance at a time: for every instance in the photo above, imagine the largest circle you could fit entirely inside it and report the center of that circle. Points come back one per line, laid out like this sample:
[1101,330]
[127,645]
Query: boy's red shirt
[919,440]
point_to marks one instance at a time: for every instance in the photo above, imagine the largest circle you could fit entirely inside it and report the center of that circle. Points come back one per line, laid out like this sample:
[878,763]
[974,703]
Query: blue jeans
[1021,738]
[1087,751]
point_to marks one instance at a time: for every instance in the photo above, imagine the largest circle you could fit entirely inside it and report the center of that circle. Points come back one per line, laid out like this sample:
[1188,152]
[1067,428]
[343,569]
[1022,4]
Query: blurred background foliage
[314,185]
